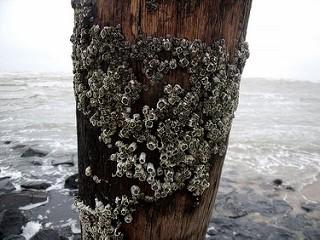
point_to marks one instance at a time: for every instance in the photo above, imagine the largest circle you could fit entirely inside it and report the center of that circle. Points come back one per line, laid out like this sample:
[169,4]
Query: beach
[269,187]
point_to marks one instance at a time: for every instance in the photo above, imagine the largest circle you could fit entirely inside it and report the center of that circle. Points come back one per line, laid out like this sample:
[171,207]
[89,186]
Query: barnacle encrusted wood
[183,129]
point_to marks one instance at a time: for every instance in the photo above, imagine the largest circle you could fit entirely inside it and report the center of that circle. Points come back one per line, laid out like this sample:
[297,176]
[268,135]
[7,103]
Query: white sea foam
[73,225]
[30,229]
[9,172]
[33,205]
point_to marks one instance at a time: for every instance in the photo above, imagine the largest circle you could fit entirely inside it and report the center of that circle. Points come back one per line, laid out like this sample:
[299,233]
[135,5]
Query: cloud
[283,36]
[284,39]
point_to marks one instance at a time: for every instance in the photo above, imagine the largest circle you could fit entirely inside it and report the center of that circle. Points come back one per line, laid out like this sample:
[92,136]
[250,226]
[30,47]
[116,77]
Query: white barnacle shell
[161,104]
[150,179]
[152,116]
[125,100]
[98,203]
[184,43]
[113,157]
[169,173]
[135,190]
[124,211]
[168,89]
[99,206]
[189,160]
[128,218]
[125,200]
[119,144]
[183,146]
[211,67]
[96,179]
[104,32]
[148,124]
[142,157]
[159,171]
[142,177]
[177,89]
[151,145]
[136,116]
[95,29]
[88,171]
[163,156]
[156,186]
[157,194]
[129,174]
[173,64]
[145,109]
[132,147]
[166,44]
[178,50]
[184,62]
[150,168]
[128,109]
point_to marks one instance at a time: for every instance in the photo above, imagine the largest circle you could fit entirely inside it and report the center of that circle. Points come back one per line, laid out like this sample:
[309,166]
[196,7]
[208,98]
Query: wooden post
[179,215]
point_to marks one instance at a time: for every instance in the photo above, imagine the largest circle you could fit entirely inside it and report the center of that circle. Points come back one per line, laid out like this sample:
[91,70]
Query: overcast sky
[283,35]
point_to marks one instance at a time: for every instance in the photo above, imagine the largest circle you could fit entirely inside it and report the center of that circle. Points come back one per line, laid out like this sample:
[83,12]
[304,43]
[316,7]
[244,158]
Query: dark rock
[63,162]
[290,188]
[277,182]
[76,236]
[296,223]
[212,231]
[5,185]
[11,222]
[231,206]
[312,234]
[36,162]
[19,146]
[72,182]
[222,228]
[67,233]
[227,228]
[14,237]
[236,205]
[310,207]
[30,152]
[46,234]
[269,208]
[279,234]
[23,198]
[36,185]
[7,142]
[281,207]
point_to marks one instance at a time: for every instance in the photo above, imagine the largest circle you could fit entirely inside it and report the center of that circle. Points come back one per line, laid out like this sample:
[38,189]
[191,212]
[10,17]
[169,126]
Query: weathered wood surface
[177,216]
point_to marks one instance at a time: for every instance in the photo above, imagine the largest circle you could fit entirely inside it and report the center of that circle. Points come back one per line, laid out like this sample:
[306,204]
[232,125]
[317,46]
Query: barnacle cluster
[103,222]
[151,5]
[185,127]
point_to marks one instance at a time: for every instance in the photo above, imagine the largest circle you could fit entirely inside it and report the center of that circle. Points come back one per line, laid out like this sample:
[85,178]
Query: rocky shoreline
[39,210]
[246,214]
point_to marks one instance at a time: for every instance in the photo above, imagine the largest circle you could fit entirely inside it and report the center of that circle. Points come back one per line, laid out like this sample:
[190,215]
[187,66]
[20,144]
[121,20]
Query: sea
[275,135]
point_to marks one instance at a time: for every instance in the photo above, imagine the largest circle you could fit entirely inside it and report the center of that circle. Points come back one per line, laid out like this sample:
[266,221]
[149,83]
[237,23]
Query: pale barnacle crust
[185,127]
[103,222]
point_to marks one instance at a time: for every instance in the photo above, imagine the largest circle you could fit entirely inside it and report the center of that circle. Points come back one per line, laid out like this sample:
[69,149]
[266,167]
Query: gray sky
[283,35]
